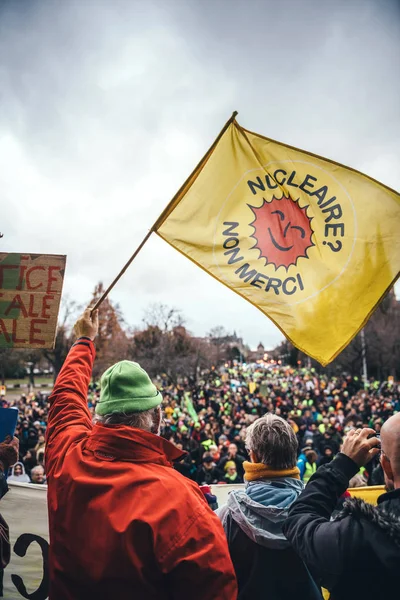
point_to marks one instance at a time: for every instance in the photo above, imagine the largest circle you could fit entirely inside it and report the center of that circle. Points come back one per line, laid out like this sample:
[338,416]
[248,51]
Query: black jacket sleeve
[324,546]
[3,484]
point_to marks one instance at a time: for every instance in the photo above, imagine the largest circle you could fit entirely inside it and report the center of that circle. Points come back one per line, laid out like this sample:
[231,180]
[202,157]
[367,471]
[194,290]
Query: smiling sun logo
[282,231]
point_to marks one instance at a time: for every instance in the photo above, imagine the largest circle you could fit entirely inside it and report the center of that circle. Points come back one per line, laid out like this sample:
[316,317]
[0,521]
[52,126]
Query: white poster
[24,508]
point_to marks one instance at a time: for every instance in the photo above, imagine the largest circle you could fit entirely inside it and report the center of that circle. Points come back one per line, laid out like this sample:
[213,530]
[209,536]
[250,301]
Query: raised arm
[69,418]
[328,547]
[9,451]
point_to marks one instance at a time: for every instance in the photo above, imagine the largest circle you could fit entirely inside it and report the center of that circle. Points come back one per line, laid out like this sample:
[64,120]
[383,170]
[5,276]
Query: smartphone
[8,422]
[377,435]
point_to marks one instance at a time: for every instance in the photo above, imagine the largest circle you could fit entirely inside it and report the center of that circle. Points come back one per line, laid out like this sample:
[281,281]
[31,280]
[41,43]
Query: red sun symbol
[282,231]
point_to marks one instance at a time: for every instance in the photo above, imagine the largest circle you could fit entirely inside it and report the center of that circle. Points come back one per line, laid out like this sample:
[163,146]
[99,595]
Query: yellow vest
[309,471]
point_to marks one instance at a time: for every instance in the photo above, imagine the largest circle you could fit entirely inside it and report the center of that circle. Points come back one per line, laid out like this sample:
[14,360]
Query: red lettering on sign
[33,331]
[31,306]
[22,270]
[51,279]
[46,306]
[14,333]
[28,278]
[17,304]
[3,331]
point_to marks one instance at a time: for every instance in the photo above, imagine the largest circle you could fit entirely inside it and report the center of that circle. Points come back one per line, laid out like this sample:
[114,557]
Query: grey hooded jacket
[266,565]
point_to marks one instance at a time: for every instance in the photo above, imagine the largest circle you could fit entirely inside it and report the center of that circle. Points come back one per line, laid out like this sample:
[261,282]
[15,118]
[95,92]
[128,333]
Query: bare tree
[10,363]
[382,346]
[165,347]
[217,334]
[162,316]
[112,339]
[64,337]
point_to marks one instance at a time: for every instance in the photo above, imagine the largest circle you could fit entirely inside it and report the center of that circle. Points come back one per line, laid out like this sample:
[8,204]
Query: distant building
[255,355]
[232,347]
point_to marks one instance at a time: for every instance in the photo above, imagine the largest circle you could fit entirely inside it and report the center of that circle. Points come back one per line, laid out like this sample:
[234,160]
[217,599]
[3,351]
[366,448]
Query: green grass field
[24,381]
[41,383]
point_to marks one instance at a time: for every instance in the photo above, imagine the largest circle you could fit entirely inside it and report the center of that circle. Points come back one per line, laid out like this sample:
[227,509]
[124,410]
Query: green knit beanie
[126,387]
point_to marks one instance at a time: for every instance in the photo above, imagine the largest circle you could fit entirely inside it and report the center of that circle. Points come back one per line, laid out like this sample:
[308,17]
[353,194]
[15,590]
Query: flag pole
[165,213]
[124,268]
[176,199]
[364,359]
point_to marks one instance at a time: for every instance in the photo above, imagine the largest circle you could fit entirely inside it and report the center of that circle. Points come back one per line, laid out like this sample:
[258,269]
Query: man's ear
[387,467]
[157,421]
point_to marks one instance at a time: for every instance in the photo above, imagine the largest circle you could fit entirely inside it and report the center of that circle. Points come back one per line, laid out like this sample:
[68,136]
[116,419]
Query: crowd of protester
[209,419]
[298,439]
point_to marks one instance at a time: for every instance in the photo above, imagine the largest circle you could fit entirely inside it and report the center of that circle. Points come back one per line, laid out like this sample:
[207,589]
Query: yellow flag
[252,387]
[311,243]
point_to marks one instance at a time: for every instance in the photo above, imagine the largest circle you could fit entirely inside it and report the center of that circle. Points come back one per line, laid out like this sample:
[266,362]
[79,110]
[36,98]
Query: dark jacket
[358,554]
[3,484]
[5,548]
[238,460]
[208,476]
[265,564]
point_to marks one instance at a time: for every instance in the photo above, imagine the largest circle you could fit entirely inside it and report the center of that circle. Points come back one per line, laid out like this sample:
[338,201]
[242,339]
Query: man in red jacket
[123,523]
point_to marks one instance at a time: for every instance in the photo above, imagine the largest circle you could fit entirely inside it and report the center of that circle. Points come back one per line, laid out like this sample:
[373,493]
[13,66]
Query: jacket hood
[122,442]
[23,478]
[386,518]
[262,508]
[18,464]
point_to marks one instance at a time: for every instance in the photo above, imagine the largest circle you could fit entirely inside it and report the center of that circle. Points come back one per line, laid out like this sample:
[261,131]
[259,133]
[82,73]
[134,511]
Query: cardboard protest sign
[30,294]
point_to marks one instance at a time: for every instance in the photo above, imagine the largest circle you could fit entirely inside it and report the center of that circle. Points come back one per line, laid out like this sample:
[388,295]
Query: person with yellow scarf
[266,566]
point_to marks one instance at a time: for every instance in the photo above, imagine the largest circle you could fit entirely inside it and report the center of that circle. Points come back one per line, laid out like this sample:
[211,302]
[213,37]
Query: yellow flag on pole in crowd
[311,243]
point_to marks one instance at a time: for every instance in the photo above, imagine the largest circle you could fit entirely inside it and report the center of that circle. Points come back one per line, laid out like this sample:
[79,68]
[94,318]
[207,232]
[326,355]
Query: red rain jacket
[123,523]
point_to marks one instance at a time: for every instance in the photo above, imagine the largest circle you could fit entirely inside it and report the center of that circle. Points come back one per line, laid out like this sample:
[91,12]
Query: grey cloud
[107,107]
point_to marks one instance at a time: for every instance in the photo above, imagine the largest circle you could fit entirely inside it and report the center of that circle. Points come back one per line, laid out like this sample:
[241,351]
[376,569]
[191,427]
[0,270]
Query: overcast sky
[106,107]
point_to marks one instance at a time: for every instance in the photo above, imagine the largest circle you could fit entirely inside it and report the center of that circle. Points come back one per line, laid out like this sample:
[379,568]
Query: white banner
[24,508]
[222,491]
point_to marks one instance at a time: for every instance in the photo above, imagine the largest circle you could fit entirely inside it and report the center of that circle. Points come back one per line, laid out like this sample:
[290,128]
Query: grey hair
[273,441]
[147,420]
[37,468]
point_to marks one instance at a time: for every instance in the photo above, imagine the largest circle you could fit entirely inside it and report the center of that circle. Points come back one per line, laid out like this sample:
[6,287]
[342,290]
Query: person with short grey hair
[38,475]
[148,420]
[273,441]
[264,561]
